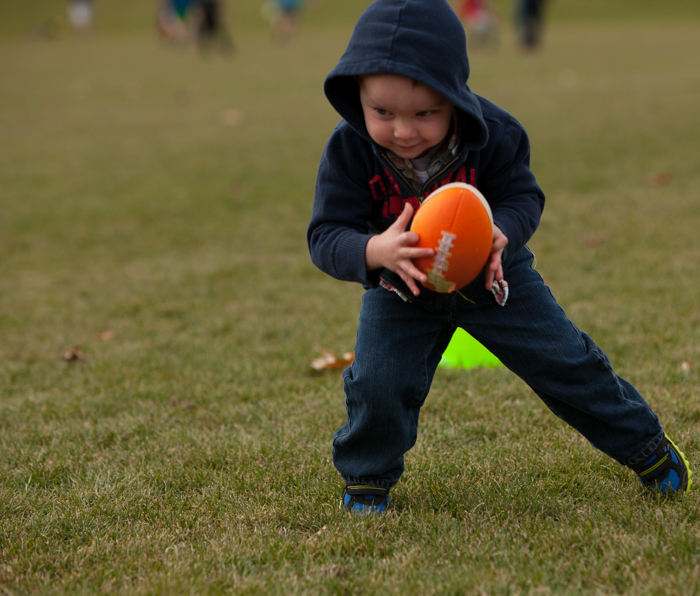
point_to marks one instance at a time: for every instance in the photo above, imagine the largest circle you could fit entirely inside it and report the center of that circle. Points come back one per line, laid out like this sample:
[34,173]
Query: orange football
[455,221]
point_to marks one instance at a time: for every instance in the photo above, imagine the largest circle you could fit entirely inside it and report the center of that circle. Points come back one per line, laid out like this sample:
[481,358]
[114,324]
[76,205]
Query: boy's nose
[403,130]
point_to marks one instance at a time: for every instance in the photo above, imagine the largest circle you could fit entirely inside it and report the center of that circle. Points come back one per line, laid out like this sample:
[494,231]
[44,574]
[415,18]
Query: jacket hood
[420,39]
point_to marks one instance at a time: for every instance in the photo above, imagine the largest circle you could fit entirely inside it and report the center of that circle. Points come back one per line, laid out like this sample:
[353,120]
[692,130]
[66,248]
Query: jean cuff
[379,483]
[645,453]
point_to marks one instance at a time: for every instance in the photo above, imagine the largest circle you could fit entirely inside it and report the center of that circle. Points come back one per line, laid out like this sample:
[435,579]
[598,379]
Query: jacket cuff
[351,249]
[511,228]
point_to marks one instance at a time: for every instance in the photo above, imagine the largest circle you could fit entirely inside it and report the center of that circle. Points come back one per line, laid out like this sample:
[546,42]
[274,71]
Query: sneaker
[364,499]
[667,470]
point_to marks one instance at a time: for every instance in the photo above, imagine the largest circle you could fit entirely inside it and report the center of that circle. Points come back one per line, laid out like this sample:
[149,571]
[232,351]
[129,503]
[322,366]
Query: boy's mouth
[407,148]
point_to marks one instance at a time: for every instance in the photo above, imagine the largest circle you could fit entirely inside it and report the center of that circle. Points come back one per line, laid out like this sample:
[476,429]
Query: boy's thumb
[405,216]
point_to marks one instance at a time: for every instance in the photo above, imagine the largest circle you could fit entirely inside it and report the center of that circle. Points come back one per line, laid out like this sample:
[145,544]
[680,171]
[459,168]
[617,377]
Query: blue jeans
[399,345]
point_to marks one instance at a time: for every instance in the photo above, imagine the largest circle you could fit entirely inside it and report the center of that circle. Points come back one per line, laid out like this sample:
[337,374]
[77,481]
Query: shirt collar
[440,155]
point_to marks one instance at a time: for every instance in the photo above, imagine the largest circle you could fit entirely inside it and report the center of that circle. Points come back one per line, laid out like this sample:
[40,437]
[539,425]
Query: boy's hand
[494,266]
[393,249]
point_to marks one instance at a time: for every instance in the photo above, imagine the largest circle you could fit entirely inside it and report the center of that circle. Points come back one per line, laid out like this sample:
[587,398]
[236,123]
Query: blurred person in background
[529,23]
[481,22]
[80,15]
[211,27]
[173,20]
[283,16]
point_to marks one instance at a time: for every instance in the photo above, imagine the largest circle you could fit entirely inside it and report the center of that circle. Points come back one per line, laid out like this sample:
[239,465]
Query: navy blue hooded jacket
[359,192]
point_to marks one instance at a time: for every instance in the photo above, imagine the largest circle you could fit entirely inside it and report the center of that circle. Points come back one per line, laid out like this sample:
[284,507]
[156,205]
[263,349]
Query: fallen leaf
[660,179]
[335,570]
[318,534]
[686,366]
[594,240]
[232,117]
[330,361]
[180,404]
[74,354]
[106,335]
[183,97]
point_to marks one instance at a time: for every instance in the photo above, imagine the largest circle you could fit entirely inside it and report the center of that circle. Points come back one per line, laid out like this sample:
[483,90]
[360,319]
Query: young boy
[410,125]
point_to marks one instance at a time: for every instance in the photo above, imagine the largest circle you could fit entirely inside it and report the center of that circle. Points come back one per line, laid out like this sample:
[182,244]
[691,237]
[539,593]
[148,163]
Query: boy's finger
[408,280]
[410,238]
[490,276]
[494,269]
[499,272]
[419,253]
[416,273]
[408,241]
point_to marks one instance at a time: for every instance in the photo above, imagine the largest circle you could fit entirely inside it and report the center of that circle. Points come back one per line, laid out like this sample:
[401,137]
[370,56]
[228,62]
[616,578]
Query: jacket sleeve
[339,227]
[509,185]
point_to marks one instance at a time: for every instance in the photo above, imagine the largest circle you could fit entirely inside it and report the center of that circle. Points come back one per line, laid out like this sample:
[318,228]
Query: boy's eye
[426,113]
[382,111]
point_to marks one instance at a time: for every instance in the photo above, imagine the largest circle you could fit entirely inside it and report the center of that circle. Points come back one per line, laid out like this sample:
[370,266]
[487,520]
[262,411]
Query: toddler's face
[402,115]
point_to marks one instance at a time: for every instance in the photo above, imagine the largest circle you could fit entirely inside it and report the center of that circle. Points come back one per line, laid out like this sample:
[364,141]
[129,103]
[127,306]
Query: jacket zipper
[421,197]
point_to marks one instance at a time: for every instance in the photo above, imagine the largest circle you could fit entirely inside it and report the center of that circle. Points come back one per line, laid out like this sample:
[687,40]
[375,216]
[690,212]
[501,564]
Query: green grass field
[153,207]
